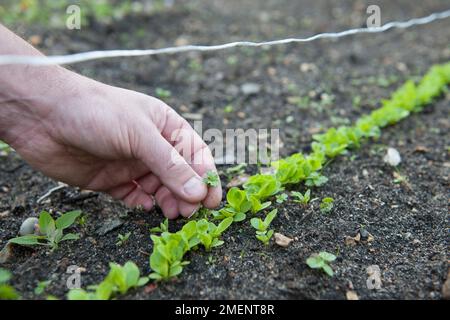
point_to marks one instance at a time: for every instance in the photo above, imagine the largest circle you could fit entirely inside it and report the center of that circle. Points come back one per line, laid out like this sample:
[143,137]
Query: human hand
[118,141]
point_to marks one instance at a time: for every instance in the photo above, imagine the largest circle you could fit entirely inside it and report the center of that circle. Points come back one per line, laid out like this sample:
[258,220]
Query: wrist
[28,94]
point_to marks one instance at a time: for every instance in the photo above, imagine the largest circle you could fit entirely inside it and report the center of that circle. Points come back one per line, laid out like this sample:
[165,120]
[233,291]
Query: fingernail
[194,187]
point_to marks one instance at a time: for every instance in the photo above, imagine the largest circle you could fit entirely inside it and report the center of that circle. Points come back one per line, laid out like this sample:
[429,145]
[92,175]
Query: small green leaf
[46,223]
[329,257]
[27,240]
[328,270]
[67,219]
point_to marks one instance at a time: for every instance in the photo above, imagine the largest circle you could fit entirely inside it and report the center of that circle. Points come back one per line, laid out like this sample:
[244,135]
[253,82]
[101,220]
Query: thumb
[164,160]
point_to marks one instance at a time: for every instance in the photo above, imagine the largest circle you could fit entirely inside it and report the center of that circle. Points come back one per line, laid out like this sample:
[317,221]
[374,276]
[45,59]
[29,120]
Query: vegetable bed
[342,209]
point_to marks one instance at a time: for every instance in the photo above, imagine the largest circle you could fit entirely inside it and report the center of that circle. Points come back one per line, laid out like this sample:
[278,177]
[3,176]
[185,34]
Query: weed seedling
[163,227]
[262,226]
[326,205]
[321,261]
[303,199]
[7,292]
[41,286]
[162,93]
[211,179]
[122,239]
[51,230]
[281,198]
[228,109]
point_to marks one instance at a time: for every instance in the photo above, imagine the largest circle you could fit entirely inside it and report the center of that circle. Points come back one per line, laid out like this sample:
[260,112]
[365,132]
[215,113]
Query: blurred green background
[52,13]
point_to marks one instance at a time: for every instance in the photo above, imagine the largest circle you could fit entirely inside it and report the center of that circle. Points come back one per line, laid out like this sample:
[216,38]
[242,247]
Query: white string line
[94,55]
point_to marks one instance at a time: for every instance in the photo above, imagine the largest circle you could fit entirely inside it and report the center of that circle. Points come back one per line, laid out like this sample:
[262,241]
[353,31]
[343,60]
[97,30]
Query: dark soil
[408,221]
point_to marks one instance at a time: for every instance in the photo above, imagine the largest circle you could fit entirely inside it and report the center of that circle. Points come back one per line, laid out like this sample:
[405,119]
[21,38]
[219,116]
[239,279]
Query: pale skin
[103,138]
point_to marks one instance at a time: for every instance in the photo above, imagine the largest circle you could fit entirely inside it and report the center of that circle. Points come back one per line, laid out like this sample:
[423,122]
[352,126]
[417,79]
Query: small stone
[365,173]
[351,295]
[282,240]
[4,214]
[364,234]
[250,88]
[29,226]
[352,241]
[392,157]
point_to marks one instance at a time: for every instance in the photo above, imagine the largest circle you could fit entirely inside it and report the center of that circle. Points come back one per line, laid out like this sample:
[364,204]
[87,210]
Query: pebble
[282,240]
[392,157]
[250,88]
[28,226]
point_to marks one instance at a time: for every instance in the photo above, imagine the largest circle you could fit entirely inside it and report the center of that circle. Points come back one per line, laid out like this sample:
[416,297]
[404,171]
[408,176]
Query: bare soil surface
[342,79]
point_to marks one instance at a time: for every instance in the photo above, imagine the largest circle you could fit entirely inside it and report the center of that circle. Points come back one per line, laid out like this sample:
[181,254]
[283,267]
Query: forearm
[28,91]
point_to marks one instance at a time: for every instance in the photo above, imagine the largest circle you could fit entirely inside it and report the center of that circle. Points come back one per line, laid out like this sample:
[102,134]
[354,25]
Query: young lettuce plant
[119,281]
[321,261]
[260,187]
[208,233]
[237,207]
[51,231]
[262,226]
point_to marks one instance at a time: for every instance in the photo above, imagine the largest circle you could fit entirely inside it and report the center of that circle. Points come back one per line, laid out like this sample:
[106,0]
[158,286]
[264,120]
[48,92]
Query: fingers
[132,195]
[189,144]
[171,168]
[214,195]
[167,203]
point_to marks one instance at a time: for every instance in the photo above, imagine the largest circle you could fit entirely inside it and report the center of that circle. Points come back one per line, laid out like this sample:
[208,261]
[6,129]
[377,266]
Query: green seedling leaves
[293,170]
[321,261]
[163,227]
[211,179]
[51,231]
[302,198]
[326,205]
[67,219]
[7,292]
[119,280]
[262,233]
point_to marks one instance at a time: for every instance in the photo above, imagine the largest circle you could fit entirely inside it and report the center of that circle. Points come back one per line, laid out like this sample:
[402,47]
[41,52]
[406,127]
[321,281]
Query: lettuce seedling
[302,198]
[321,261]
[208,233]
[262,186]
[51,230]
[326,205]
[211,179]
[119,280]
[262,226]
[7,292]
[237,207]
